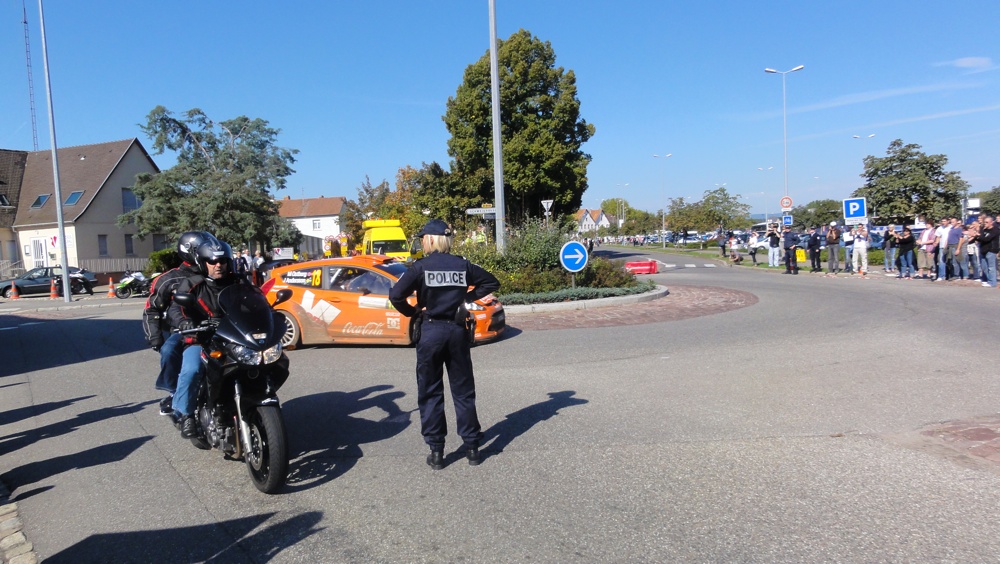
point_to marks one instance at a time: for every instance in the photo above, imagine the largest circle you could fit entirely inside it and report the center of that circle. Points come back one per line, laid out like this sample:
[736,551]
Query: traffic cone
[14,294]
[111,287]
[53,295]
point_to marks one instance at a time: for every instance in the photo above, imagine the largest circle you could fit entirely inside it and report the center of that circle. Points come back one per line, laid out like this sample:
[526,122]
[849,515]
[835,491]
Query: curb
[14,546]
[659,292]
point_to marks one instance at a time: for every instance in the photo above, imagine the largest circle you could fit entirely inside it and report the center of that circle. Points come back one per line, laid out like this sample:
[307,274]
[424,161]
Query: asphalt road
[782,431]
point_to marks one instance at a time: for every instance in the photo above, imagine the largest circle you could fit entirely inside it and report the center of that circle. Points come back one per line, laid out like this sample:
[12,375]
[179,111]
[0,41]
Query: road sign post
[786,220]
[786,203]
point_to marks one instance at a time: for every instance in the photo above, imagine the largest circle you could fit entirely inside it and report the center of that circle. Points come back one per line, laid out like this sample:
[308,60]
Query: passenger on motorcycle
[154,321]
[214,261]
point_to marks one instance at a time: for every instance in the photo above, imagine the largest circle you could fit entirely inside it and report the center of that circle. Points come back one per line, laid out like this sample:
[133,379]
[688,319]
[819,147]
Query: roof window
[73,198]
[39,201]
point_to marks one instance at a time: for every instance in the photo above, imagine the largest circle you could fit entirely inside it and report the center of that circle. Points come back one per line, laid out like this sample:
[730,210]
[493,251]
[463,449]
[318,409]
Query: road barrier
[642,267]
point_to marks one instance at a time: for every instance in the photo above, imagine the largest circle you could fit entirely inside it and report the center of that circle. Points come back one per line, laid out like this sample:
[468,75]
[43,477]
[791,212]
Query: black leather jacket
[161,295]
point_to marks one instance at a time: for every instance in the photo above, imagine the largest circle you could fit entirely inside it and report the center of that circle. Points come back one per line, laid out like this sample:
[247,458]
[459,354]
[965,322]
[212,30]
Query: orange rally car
[346,300]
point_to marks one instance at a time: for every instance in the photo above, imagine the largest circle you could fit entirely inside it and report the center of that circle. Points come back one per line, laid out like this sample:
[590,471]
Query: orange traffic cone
[111,287]
[53,295]
[14,294]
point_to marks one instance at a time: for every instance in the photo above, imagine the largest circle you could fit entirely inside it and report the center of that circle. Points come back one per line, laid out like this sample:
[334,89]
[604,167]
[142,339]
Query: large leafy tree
[373,203]
[223,180]
[817,213]
[989,201]
[541,128]
[907,183]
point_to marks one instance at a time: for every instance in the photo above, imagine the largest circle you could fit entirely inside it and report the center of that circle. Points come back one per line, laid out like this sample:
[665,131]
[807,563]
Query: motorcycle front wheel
[123,292]
[267,454]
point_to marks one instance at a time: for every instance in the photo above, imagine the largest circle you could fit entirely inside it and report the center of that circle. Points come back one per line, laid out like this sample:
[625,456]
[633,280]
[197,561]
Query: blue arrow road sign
[573,256]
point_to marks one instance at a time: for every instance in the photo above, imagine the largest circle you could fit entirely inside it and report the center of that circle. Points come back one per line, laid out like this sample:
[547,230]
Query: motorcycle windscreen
[249,319]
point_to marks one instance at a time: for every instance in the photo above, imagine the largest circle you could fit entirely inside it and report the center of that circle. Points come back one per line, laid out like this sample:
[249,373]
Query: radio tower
[31,85]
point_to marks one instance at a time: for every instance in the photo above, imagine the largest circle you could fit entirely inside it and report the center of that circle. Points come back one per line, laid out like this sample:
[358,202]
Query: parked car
[346,300]
[39,280]
[266,268]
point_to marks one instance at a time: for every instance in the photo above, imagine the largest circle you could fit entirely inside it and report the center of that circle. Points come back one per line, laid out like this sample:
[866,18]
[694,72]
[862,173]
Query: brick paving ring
[683,302]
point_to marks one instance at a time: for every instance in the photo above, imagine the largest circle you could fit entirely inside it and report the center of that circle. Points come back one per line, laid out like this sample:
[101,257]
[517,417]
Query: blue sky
[360,87]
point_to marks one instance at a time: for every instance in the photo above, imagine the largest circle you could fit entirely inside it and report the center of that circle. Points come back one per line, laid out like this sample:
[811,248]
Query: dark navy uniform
[442,283]
[790,241]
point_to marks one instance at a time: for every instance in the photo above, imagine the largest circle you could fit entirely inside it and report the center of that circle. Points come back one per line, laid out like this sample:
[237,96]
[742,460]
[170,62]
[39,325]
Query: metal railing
[10,269]
[114,264]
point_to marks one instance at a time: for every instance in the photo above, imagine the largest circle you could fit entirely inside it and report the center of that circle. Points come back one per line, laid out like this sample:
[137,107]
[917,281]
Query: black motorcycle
[78,283]
[237,406]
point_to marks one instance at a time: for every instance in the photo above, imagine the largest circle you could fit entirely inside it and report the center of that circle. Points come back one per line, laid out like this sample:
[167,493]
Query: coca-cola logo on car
[370,328]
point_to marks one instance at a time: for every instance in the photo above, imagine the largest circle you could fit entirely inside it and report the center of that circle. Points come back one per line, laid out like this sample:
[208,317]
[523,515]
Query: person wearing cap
[790,242]
[442,281]
[833,248]
[813,245]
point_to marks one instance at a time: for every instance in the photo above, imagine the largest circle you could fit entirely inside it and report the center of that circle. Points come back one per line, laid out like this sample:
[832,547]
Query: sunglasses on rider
[216,261]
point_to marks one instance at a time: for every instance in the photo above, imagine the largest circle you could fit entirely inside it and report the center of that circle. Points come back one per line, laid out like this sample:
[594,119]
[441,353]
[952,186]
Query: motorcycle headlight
[272,354]
[244,355]
[473,306]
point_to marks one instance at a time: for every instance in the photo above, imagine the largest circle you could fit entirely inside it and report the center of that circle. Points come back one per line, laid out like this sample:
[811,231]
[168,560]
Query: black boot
[472,454]
[189,427]
[436,459]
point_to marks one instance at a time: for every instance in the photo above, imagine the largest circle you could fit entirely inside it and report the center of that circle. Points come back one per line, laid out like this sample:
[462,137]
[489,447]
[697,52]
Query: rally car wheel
[292,335]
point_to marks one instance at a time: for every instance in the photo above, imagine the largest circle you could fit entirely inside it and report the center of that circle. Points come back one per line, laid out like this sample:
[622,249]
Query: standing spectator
[774,246]
[723,240]
[833,248]
[258,261]
[905,243]
[849,249]
[972,249]
[752,247]
[889,248]
[790,242]
[860,254]
[925,255]
[989,245]
[941,237]
[813,245]
[961,259]
[241,264]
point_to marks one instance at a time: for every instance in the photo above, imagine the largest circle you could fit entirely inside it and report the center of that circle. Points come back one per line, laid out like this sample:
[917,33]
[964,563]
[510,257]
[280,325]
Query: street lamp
[784,115]
[663,221]
[621,210]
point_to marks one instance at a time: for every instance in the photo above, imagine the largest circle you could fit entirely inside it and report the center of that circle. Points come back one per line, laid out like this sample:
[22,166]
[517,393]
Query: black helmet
[212,250]
[188,245]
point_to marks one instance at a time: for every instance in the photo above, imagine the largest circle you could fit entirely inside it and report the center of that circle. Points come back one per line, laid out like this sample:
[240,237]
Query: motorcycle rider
[214,262]
[154,322]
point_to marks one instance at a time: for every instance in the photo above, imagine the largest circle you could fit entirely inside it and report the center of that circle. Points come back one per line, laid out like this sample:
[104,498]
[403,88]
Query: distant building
[591,220]
[96,185]
[317,218]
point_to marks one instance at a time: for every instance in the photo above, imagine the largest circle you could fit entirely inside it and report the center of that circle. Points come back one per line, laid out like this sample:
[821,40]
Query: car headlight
[272,354]
[244,355]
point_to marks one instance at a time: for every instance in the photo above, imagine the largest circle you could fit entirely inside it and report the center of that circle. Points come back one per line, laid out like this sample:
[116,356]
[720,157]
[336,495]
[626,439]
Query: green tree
[373,203]
[542,131]
[223,180]
[907,183]
[989,202]
[718,207]
[817,213]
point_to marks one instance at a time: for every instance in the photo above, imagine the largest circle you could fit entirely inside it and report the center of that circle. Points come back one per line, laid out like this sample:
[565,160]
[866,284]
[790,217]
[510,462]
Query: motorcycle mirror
[282,296]
[187,300]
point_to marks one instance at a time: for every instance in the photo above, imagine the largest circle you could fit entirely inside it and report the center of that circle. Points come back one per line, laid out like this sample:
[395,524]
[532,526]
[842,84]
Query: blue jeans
[946,255]
[988,264]
[906,265]
[848,257]
[890,258]
[170,363]
[189,380]
[962,264]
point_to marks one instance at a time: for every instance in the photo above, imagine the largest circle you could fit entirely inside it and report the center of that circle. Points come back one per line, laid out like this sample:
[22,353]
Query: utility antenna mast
[31,85]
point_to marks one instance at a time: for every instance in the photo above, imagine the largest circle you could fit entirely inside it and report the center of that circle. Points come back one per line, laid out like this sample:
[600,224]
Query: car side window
[368,282]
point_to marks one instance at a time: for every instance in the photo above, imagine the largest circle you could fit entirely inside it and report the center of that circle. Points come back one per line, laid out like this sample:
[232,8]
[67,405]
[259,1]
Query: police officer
[790,241]
[154,321]
[441,281]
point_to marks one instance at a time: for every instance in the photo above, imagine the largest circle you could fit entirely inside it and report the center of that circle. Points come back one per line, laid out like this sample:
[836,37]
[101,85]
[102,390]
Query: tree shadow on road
[323,432]
[15,441]
[41,470]
[225,541]
[500,435]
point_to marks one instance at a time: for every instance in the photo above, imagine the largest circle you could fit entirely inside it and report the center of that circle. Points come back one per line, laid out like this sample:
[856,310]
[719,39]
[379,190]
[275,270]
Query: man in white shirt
[941,241]
[860,253]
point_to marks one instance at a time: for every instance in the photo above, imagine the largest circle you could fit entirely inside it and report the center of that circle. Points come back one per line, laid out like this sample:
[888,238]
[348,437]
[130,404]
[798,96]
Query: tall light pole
[497,139]
[784,114]
[621,217]
[663,221]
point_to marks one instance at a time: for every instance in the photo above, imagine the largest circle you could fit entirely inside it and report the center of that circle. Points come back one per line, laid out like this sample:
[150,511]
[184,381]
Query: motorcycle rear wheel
[267,454]
[123,292]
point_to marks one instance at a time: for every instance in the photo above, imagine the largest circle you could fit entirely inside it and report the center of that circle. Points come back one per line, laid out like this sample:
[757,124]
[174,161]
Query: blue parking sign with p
[855,208]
